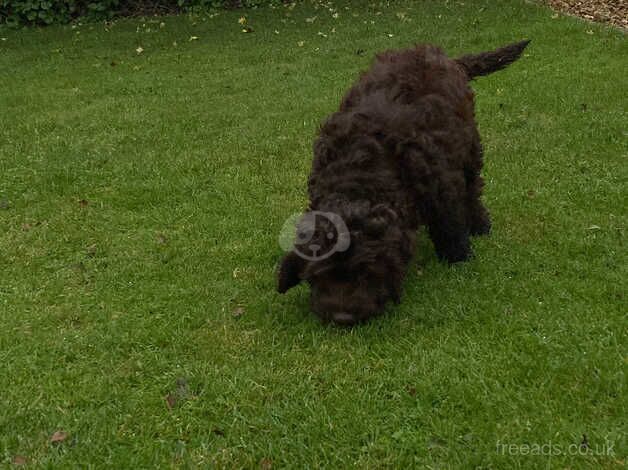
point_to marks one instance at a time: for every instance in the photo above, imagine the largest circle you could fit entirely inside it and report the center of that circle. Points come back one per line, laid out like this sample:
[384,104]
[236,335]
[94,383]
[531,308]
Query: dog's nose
[343,318]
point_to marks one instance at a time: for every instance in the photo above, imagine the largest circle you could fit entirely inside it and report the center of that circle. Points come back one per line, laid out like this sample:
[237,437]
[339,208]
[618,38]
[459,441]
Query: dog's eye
[304,236]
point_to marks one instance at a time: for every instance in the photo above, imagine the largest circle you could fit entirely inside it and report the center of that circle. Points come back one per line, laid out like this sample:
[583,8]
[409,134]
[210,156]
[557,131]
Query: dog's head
[353,255]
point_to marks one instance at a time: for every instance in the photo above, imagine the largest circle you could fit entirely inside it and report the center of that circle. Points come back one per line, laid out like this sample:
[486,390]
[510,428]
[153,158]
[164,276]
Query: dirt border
[613,12]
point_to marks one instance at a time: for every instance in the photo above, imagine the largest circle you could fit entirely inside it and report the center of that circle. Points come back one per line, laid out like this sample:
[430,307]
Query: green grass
[141,197]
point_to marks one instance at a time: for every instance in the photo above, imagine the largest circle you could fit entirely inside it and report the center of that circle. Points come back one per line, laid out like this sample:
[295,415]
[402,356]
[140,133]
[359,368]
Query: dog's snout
[343,318]
[342,303]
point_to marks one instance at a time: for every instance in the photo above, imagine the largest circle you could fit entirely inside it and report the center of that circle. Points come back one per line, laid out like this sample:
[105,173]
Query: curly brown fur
[402,151]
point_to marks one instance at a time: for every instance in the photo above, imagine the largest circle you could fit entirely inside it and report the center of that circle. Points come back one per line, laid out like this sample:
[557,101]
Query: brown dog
[402,151]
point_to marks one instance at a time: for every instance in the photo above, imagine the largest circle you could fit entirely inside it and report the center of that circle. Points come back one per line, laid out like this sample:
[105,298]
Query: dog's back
[415,98]
[408,75]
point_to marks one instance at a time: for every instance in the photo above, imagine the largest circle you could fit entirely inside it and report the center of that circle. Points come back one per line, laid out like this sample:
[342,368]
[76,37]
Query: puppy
[403,151]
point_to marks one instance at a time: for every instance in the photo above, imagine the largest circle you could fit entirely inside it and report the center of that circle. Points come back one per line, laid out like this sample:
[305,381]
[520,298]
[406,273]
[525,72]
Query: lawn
[146,169]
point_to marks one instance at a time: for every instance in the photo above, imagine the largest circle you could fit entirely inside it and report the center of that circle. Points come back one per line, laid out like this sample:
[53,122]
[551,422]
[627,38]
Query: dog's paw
[455,251]
[457,257]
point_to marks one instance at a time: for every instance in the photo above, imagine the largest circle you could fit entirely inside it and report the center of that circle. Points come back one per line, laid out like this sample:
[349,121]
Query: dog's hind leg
[442,204]
[478,216]
[450,236]
[446,219]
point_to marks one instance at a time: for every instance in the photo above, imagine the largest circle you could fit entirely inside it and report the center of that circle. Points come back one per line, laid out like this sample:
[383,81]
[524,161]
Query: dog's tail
[488,62]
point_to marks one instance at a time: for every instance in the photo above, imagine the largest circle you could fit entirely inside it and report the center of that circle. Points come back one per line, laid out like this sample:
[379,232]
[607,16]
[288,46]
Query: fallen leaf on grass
[412,391]
[26,226]
[301,43]
[83,202]
[242,20]
[139,49]
[238,311]
[435,443]
[248,29]
[171,400]
[180,394]
[266,463]
[58,437]
[182,386]
[193,38]
[594,227]
[19,460]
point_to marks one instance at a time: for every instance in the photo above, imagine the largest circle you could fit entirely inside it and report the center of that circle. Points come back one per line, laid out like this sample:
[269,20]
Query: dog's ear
[380,217]
[290,271]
